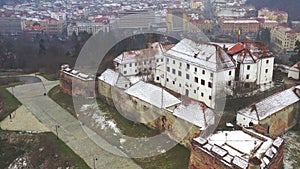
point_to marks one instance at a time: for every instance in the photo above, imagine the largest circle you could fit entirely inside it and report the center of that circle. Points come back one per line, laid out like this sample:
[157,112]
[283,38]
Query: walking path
[68,128]
[22,120]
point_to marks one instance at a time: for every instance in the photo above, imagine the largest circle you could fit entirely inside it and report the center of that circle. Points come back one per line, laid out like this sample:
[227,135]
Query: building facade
[268,24]
[141,62]
[280,16]
[10,25]
[254,64]
[177,20]
[284,38]
[244,25]
[197,70]
[204,25]
[74,83]
[274,115]
[89,27]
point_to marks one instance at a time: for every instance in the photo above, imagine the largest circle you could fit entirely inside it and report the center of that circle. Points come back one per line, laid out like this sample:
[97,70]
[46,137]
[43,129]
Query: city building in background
[280,16]
[284,38]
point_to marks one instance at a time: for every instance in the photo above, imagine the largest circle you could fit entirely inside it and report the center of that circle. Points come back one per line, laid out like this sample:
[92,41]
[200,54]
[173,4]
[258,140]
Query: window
[150,61]
[130,65]
[209,97]
[173,82]
[145,62]
[209,84]
[202,82]
[187,76]
[157,60]
[229,73]
[174,62]
[203,72]
[162,60]
[173,71]
[167,79]
[195,91]
[248,67]
[179,85]
[229,83]
[202,94]
[266,70]
[168,69]
[135,64]
[125,72]
[195,69]
[168,60]
[157,78]
[179,73]
[267,61]
[211,75]
[247,76]
[188,66]
[247,85]
[124,65]
[196,79]
[180,64]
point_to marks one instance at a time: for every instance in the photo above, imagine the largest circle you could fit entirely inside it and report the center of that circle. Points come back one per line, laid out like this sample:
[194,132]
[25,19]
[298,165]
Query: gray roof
[271,105]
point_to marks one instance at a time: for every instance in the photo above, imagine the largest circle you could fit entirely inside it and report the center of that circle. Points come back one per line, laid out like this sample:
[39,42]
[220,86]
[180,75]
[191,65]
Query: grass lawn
[176,158]
[42,150]
[10,103]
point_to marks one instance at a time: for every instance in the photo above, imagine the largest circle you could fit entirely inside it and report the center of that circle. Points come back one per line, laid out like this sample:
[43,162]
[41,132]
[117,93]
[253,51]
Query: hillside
[290,6]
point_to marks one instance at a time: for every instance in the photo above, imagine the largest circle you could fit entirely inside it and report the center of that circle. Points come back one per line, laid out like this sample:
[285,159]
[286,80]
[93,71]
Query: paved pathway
[70,130]
[23,120]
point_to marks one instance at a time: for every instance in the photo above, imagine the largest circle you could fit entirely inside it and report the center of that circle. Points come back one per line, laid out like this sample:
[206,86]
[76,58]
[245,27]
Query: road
[70,131]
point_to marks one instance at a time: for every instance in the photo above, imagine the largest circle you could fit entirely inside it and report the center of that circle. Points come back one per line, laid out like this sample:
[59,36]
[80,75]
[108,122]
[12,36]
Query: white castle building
[198,70]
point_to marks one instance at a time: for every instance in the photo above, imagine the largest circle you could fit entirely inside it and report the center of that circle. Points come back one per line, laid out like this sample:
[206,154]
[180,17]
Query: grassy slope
[9,101]
[43,150]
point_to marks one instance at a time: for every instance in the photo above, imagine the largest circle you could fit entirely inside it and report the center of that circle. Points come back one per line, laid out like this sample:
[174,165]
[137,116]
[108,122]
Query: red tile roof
[236,49]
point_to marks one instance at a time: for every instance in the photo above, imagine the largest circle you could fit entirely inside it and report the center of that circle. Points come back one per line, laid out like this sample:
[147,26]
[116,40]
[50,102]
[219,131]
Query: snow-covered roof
[204,55]
[152,94]
[196,114]
[295,67]
[271,105]
[226,45]
[240,162]
[239,146]
[112,78]
[77,74]
[109,76]
[156,51]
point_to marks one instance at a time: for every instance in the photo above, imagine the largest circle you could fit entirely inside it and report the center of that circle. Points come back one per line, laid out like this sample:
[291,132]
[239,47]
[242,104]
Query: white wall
[265,71]
[251,72]
[196,90]
[244,121]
